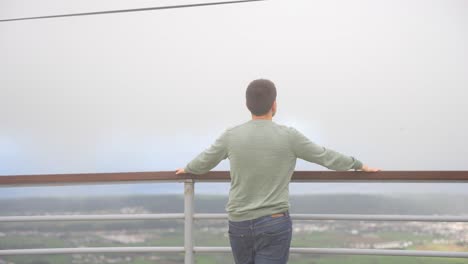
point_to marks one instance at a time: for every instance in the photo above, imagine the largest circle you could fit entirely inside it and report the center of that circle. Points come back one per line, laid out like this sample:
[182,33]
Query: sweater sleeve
[210,157]
[309,151]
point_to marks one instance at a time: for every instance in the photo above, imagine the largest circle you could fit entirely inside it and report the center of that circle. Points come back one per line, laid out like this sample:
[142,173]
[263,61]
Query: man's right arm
[309,151]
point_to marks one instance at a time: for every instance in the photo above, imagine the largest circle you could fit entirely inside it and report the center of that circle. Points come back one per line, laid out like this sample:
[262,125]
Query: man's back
[262,162]
[262,157]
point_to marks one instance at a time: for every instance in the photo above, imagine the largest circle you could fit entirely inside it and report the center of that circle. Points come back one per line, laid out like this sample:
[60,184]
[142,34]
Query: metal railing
[189,215]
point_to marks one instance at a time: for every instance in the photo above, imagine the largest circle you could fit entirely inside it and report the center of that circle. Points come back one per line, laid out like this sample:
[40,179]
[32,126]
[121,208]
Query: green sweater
[262,156]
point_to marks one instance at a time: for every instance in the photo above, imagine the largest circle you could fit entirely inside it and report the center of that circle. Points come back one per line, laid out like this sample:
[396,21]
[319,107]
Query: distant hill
[453,204]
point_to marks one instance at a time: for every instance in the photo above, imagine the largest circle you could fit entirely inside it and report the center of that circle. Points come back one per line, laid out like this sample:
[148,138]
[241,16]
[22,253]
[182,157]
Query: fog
[384,81]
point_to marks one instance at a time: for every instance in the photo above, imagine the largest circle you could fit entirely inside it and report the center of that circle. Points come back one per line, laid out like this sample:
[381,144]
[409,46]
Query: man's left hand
[180,171]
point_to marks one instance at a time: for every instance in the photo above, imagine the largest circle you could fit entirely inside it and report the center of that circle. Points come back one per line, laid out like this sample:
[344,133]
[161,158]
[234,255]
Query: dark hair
[260,96]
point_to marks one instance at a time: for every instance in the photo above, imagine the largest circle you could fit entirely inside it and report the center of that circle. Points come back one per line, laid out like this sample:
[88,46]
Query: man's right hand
[369,169]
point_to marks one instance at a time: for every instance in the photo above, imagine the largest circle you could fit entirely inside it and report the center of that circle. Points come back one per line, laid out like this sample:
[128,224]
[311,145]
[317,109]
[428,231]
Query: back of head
[260,96]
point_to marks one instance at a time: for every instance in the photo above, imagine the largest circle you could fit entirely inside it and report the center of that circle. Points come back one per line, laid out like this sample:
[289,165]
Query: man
[262,157]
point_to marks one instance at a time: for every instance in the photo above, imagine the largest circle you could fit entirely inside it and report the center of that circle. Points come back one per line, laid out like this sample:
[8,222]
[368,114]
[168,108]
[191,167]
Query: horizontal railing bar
[352,251]
[361,217]
[327,251]
[84,178]
[40,218]
[223,176]
[210,216]
[381,252]
[418,218]
[214,249]
[115,217]
[42,251]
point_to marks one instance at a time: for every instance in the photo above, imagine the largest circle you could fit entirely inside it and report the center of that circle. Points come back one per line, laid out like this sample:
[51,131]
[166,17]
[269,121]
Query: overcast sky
[384,81]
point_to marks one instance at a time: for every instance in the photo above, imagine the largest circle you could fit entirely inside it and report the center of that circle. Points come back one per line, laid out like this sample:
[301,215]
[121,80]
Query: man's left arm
[209,158]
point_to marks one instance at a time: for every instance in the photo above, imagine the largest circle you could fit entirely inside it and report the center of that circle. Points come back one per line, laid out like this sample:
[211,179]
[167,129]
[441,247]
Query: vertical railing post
[188,223]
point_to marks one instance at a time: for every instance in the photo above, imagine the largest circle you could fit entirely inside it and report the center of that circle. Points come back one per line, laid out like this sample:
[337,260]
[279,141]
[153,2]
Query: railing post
[188,223]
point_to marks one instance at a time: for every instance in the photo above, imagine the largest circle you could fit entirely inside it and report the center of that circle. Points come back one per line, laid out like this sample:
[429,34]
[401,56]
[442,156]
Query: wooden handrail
[223,176]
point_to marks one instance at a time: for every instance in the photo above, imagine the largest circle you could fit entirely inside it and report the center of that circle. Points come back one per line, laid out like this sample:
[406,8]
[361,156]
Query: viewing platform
[189,249]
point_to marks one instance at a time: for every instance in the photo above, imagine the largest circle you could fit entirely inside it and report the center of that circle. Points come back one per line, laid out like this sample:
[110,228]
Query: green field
[213,233]
[316,239]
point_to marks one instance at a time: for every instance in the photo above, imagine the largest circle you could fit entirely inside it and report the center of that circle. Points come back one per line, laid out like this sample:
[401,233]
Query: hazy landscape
[383,81]
[351,234]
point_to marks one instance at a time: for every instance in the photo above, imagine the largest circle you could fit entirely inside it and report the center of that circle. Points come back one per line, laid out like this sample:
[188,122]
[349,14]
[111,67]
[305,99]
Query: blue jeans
[264,240]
